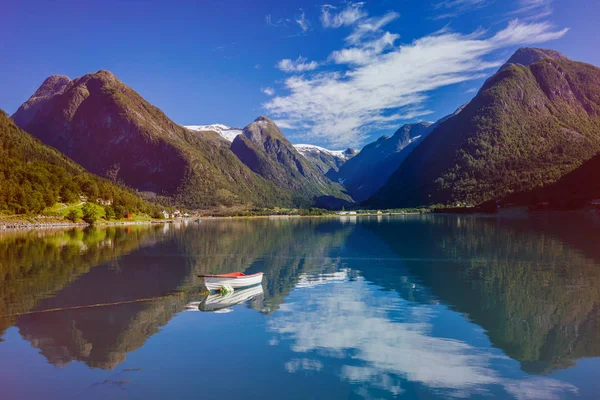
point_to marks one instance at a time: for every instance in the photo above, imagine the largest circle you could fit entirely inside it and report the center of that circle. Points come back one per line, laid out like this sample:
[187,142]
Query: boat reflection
[221,302]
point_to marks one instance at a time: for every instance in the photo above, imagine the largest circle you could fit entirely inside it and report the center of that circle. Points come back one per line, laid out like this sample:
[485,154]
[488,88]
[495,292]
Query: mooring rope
[117,303]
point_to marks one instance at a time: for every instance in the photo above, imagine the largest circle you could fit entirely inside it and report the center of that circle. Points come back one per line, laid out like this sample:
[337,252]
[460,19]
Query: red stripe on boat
[230,275]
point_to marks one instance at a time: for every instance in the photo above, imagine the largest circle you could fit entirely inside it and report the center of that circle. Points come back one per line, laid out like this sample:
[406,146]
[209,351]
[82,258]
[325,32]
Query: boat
[236,280]
[220,303]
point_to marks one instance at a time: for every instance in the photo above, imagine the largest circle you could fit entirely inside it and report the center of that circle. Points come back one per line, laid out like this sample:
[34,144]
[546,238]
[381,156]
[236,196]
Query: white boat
[236,280]
[221,303]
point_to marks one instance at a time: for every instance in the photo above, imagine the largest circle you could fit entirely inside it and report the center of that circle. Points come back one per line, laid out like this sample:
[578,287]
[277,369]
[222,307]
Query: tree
[109,212]
[73,215]
[90,213]
[157,214]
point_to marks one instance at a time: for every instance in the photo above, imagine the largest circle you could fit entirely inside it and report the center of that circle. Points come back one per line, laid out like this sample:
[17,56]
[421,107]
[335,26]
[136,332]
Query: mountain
[52,86]
[325,160]
[371,168]
[226,132]
[572,191]
[532,122]
[265,150]
[34,176]
[112,131]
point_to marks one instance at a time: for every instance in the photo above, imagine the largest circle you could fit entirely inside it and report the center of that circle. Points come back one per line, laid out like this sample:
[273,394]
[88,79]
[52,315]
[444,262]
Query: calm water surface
[418,307]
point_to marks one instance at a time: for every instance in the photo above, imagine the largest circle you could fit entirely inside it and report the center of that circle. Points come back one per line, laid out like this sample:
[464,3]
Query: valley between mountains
[530,136]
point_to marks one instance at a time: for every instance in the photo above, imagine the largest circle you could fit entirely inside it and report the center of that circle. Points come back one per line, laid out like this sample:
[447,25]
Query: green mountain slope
[266,151]
[112,131]
[34,176]
[572,191]
[528,126]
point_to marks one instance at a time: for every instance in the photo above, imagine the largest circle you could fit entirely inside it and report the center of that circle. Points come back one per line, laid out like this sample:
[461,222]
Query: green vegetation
[90,213]
[73,215]
[34,177]
[194,169]
[531,284]
[527,127]
[266,151]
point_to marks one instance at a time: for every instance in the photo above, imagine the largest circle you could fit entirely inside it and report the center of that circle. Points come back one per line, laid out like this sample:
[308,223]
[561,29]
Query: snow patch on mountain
[228,133]
[304,149]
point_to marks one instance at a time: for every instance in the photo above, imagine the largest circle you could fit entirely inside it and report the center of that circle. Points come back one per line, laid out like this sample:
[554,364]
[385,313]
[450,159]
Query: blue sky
[330,73]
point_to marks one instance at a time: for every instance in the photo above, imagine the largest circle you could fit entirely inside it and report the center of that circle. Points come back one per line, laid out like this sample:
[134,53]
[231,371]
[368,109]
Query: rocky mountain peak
[261,129]
[529,55]
[52,86]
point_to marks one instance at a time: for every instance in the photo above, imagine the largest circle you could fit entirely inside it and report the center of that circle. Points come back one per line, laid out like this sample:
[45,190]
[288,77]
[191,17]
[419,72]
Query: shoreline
[24,224]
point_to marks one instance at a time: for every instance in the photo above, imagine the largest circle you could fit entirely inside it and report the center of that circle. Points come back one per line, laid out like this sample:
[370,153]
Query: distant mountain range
[325,160]
[533,123]
[371,168]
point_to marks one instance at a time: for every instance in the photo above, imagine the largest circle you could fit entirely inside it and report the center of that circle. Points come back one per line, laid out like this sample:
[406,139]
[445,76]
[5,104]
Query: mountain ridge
[266,151]
[143,148]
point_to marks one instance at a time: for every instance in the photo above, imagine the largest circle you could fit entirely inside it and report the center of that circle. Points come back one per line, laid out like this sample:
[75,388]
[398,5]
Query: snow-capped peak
[311,148]
[228,133]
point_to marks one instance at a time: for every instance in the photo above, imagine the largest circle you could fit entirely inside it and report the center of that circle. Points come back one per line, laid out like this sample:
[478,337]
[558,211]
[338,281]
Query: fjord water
[410,306]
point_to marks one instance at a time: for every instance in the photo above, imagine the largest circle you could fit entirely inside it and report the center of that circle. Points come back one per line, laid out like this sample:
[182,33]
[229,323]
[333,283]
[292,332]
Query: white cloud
[279,22]
[304,364]
[383,80]
[269,91]
[533,9]
[284,124]
[453,8]
[370,26]
[330,18]
[303,22]
[301,64]
[364,53]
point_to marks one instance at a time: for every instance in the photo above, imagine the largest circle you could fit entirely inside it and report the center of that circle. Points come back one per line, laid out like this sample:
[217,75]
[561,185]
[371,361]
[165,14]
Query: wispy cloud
[269,91]
[303,21]
[363,54]
[384,83]
[369,27]
[533,9]
[453,8]
[332,18]
[301,64]
[278,22]
[285,124]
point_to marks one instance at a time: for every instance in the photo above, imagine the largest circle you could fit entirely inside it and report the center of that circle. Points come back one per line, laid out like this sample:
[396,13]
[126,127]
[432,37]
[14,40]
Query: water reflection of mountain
[532,283]
[101,337]
[35,265]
